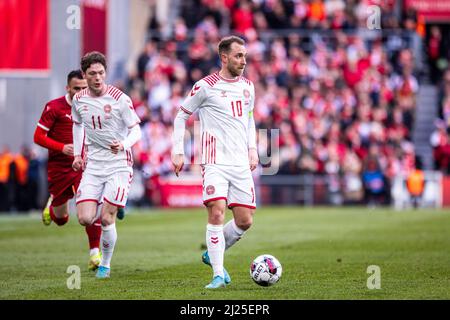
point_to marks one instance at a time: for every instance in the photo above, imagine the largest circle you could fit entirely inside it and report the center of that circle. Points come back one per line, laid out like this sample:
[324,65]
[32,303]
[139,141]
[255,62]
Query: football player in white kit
[225,102]
[106,123]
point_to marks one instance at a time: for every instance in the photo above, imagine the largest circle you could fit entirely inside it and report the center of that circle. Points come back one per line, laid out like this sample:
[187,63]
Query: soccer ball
[266,270]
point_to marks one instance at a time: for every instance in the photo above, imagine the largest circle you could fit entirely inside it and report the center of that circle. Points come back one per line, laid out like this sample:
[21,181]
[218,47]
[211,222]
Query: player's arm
[78,139]
[134,135]
[179,127]
[253,158]
[48,118]
[193,100]
[41,138]
[131,120]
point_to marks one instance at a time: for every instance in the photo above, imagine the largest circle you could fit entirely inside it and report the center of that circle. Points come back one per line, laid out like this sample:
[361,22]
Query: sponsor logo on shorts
[210,190]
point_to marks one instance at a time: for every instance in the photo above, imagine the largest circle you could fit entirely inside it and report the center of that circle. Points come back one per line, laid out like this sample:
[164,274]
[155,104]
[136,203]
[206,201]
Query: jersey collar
[68,100]
[229,80]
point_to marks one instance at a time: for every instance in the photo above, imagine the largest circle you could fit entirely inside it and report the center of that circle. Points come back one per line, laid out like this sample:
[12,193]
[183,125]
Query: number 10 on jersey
[236,106]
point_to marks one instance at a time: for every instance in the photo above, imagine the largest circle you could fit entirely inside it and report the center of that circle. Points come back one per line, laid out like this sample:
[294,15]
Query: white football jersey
[224,108]
[105,119]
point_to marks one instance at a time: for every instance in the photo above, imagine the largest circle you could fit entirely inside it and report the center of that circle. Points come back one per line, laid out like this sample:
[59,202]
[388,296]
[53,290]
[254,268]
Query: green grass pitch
[325,253]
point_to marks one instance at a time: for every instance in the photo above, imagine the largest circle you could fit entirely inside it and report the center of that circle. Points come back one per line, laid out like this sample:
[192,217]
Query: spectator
[435,52]
[353,187]
[415,184]
[33,178]
[6,160]
[21,165]
[242,17]
[374,182]
[144,58]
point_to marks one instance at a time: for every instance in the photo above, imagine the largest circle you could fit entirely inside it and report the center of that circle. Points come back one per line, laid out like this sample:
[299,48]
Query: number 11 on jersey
[99,122]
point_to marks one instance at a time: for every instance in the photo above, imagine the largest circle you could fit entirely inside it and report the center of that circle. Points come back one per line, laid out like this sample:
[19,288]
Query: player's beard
[235,72]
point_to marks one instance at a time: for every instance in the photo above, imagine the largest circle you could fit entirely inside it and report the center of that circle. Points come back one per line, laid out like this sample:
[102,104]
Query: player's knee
[106,221]
[61,221]
[107,218]
[217,214]
[59,211]
[216,209]
[84,220]
[245,223]
[244,219]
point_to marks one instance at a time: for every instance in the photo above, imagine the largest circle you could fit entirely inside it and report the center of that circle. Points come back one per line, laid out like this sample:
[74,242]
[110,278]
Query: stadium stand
[336,94]
[342,99]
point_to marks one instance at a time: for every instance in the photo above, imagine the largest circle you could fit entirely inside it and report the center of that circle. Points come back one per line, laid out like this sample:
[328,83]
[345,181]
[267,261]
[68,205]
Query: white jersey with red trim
[105,119]
[224,108]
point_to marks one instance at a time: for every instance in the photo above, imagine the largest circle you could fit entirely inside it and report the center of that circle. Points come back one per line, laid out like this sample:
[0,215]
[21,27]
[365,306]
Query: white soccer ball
[266,270]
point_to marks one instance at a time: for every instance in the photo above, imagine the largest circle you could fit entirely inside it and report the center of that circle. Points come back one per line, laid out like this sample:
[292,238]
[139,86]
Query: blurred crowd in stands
[440,138]
[343,101]
[342,96]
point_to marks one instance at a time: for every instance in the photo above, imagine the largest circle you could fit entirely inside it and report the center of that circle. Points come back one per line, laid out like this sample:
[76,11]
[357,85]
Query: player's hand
[253,158]
[116,146]
[178,162]
[78,163]
[68,149]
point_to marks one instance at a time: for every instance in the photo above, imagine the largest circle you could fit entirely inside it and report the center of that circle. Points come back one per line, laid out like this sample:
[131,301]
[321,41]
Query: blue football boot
[103,272]
[217,282]
[205,259]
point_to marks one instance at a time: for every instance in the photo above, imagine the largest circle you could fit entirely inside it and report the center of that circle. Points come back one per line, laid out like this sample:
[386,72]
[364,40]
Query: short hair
[226,42]
[92,58]
[74,74]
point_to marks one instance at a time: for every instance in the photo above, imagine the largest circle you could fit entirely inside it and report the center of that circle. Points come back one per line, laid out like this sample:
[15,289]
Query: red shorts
[63,186]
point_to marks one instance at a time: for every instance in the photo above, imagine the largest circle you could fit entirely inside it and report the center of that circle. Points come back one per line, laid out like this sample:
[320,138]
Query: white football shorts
[233,184]
[113,188]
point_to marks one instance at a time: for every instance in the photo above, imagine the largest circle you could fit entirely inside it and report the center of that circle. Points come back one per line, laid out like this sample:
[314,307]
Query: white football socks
[232,233]
[215,242]
[109,238]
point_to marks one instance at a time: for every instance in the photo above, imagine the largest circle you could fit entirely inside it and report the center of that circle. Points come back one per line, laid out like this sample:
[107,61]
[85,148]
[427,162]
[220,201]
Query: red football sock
[94,232]
[58,221]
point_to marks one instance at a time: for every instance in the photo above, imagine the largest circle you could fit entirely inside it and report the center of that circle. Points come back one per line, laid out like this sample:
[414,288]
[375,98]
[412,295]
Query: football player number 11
[236,106]
[99,123]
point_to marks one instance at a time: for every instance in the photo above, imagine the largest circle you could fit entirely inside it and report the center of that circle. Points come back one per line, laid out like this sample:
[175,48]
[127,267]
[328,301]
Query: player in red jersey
[54,132]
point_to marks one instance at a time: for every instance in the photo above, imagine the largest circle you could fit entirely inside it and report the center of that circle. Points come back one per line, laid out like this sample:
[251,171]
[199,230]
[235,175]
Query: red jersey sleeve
[40,138]
[48,118]
[45,124]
